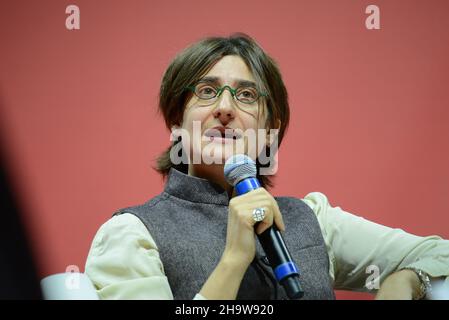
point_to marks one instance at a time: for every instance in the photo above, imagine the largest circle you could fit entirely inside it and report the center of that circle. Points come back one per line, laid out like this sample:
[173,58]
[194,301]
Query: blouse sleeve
[357,246]
[123,262]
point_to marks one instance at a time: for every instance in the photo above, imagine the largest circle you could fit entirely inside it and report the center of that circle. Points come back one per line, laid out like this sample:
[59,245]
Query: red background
[369,125]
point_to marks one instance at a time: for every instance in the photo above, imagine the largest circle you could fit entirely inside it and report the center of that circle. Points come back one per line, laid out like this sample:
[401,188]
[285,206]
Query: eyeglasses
[244,94]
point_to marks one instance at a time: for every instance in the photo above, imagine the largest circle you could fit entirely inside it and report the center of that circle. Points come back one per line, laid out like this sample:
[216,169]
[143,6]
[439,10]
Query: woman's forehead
[230,70]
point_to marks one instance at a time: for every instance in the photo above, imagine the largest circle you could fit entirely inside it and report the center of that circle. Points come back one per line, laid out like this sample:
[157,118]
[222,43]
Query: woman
[197,239]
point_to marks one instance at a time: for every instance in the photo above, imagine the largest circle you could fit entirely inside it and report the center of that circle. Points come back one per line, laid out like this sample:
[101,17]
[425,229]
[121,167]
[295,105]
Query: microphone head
[238,168]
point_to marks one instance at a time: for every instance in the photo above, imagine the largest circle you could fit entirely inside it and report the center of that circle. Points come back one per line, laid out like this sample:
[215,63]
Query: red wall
[370,116]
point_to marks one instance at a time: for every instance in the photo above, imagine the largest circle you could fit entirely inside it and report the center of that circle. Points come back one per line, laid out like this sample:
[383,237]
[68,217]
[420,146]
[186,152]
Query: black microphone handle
[277,253]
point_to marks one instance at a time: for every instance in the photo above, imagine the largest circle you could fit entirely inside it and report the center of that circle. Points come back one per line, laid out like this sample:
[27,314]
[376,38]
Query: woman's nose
[225,109]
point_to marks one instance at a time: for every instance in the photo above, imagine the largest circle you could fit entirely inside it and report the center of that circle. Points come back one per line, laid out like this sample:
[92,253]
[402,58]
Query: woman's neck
[213,173]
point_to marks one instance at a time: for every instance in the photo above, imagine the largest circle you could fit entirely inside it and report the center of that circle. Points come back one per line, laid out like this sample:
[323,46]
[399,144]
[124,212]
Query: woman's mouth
[222,134]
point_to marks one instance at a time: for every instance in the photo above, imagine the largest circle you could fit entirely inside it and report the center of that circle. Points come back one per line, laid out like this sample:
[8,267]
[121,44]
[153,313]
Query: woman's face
[206,120]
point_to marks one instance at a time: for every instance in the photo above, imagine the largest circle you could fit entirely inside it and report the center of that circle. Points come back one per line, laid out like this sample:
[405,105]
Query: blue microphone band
[246,185]
[285,269]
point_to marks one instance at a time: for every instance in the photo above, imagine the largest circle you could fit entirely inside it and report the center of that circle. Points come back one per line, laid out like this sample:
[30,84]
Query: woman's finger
[278,216]
[266,223]
[262,195]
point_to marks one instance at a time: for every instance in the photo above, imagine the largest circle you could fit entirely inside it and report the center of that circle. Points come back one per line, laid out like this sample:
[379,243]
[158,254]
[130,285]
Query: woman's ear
[272,135]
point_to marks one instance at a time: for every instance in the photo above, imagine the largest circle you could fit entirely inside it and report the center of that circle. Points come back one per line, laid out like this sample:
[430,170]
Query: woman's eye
[247,94]
[206,90]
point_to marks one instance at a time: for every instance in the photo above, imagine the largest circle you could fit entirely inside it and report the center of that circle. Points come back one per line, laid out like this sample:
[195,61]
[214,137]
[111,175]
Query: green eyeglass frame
[219,91]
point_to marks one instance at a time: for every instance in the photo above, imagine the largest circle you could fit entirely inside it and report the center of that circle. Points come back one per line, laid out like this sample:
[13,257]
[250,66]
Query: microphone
[240,171]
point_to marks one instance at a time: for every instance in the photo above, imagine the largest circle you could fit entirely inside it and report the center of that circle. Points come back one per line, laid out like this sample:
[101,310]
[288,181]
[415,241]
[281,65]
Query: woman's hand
[224,282]
[240,239]
[401,285]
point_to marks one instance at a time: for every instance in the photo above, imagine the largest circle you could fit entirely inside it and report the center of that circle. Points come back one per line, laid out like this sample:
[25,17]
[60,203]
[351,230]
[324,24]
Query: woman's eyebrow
[238,82]
[245,83]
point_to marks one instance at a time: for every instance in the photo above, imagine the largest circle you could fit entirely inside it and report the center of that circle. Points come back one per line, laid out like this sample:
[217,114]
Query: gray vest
[188,223]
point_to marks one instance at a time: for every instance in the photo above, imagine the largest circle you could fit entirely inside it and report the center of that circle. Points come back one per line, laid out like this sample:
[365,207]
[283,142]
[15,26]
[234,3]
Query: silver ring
[258,214]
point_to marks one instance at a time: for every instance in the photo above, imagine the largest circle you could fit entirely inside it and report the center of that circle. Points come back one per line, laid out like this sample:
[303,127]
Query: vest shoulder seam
[151,203]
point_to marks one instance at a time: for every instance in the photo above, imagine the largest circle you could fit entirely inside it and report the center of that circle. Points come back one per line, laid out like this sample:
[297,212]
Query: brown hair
[196,60]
